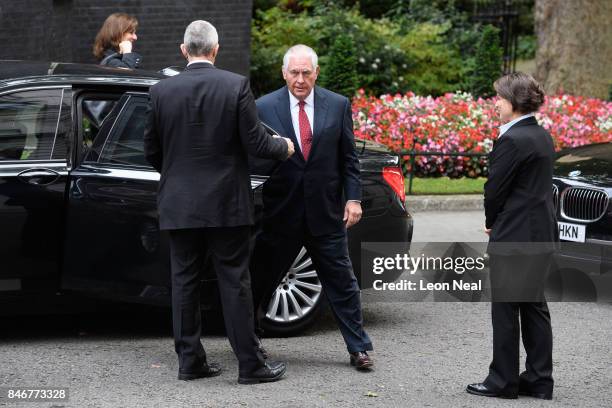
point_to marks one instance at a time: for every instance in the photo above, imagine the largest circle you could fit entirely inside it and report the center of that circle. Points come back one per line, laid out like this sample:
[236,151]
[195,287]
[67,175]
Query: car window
[28,124]
[125,145]
[94,109]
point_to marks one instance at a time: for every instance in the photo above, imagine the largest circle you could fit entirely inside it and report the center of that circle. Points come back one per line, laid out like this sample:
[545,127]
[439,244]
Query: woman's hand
[125,47]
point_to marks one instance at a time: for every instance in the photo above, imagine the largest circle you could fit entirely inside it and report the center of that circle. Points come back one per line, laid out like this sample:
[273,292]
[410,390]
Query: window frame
[78,96]
[138,97]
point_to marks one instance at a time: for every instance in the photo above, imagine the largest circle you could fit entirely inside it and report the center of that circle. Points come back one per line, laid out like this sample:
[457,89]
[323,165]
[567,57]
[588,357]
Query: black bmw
[582,188]
[78,200]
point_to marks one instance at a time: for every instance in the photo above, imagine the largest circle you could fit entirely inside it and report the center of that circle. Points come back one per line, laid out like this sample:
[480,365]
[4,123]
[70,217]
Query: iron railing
[413,154]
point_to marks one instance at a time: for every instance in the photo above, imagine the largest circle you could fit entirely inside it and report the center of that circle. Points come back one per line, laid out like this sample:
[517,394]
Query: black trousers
[275,250]
[512,318]
[229,249]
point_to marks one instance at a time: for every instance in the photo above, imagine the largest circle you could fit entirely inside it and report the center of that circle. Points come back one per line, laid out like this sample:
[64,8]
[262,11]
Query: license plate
[571,232]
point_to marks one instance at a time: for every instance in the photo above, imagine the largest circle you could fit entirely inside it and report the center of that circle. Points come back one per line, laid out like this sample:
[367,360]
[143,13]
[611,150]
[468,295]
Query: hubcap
[298,292]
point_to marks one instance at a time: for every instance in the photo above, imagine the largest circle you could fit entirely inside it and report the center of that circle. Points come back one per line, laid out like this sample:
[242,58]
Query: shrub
[392,55]
[340,74]
[487,63]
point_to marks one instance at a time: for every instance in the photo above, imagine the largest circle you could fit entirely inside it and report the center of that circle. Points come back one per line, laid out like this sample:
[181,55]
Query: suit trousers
[510,319]
[275,251]
[229,249]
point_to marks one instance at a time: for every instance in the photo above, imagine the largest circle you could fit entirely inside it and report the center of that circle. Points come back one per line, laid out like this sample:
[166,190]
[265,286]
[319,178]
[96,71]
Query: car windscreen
[592,160]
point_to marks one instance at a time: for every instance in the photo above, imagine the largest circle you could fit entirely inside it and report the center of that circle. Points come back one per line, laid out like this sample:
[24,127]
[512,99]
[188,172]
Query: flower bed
[459,123]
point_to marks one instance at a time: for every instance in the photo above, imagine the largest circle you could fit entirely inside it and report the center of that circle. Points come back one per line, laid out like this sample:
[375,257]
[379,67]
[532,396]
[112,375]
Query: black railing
[413,154]
[504,15]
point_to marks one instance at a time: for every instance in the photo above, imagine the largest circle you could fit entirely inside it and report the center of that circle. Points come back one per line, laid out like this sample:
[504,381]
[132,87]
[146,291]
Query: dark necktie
[305,131]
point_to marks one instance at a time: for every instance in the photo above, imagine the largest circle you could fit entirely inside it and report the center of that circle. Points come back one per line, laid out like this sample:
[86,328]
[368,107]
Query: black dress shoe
[533,394]
[270,372]
[207,370]
[361,360]
[484,391]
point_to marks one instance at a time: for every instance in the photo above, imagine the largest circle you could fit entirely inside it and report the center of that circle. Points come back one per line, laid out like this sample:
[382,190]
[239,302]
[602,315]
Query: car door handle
[39,177]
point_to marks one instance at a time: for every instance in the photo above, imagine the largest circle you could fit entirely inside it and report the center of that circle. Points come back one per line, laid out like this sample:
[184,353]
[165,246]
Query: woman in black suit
[114,42]
[521,223]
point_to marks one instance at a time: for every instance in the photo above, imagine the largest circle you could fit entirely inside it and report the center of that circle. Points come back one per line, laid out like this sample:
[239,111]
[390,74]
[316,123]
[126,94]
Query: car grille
[584,204]
[555,191]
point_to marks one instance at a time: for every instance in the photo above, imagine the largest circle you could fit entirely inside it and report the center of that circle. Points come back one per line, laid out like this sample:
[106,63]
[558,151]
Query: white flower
[374,66]
[401,78]
[362,60]
[377,60]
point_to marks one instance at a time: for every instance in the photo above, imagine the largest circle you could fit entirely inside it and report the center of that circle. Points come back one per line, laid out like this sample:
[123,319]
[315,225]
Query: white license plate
[571,232]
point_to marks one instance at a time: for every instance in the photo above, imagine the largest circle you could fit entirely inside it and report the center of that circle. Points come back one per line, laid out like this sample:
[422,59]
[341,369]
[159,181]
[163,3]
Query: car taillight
[394,177]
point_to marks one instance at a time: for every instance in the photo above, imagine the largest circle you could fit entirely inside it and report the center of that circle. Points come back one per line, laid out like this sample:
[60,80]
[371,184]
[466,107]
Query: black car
[582,189]
[78,200]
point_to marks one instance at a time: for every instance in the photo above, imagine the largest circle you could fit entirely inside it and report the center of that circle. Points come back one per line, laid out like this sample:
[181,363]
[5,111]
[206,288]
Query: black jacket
[200,128]
[313,191]
[518,193]
[117,60]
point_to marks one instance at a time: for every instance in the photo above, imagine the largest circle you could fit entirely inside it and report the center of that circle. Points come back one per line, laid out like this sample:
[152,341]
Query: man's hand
[487,231]
[290,147]
[125,47]
[352,213]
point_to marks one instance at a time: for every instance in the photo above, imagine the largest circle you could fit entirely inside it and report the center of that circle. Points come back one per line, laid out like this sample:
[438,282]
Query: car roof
[14,70]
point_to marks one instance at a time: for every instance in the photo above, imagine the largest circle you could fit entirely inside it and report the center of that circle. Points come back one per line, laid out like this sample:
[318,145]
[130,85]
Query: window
[94,108]
[125,145]
[28,124]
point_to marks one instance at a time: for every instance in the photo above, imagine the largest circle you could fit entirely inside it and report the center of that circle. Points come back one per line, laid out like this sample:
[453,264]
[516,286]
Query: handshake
[290,146]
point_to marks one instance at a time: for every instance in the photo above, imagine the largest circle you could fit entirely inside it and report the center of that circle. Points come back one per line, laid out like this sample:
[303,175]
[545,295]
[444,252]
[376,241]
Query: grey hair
[301,49]
[201,38]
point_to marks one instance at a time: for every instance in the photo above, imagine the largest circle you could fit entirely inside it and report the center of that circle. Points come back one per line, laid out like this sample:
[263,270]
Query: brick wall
[64,30]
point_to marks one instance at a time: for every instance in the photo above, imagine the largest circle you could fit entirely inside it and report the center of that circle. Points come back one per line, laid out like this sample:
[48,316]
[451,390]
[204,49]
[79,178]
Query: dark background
[64,30]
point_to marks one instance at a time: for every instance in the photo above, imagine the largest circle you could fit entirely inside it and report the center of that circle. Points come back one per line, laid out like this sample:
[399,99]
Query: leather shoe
[261,349]
[270,372]
[206,370]
[361,360]
[533,394]
[484,391]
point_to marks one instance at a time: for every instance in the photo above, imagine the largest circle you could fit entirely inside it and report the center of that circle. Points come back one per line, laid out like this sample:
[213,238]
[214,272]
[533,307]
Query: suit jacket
[200,128]
[518,193]
[314,191]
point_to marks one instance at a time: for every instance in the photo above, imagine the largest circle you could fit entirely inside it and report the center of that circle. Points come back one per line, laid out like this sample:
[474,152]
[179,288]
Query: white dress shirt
[201,60]
[504,128]
[295,114]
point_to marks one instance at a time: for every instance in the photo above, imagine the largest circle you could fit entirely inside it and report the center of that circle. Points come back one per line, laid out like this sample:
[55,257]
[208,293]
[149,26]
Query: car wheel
[297,301]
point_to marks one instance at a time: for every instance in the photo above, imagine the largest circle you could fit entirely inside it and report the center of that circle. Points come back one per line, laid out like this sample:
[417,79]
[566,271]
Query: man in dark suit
[201,126]
[520,219]
[314,196]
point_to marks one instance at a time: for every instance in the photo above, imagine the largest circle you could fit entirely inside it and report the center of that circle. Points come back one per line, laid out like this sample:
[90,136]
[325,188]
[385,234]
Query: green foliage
[399,54]
[273,32]
[487,63]
[526,47]
[436,67]
[340,74]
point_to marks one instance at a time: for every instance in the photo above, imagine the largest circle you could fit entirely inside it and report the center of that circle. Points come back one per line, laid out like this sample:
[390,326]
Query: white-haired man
[201,126]
[314,196]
